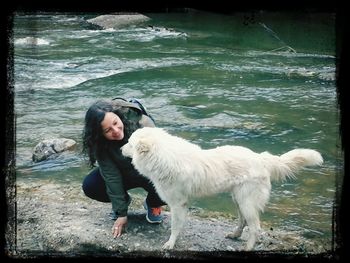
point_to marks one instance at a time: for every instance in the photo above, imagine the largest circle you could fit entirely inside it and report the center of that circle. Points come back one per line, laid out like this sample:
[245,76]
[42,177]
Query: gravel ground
[55,220]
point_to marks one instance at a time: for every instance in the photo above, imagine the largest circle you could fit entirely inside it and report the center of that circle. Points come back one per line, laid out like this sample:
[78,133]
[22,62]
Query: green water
[262,80]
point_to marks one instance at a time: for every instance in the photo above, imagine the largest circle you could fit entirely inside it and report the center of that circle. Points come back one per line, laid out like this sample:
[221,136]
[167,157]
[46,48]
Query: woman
[108,125]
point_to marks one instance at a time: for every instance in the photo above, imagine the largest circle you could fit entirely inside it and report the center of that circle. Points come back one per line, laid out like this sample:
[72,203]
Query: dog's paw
[168,245]
[248,247]
[233,235]
[250,244]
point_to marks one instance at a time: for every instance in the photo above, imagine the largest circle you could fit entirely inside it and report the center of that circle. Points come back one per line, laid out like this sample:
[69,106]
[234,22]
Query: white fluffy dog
[181,170]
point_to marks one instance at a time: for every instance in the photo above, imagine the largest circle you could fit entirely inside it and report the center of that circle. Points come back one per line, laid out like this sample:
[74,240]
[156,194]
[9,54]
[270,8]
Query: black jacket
[114,167]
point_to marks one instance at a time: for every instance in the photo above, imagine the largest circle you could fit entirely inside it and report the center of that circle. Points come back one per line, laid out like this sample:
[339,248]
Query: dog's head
[141,142]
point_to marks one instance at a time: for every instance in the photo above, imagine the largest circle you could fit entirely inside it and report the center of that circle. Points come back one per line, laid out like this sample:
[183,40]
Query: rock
[46,148]
[329,76]
[117,20]
[43,229]
[31,41]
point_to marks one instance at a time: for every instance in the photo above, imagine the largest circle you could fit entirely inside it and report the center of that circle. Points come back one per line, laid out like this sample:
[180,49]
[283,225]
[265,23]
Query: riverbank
[56,220]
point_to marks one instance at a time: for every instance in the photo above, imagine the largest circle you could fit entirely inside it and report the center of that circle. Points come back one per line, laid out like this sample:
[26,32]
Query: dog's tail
[285,166]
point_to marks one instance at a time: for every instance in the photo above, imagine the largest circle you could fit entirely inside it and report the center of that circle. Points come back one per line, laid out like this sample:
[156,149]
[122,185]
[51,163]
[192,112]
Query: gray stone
[41,230]
[117,21]
[46,148]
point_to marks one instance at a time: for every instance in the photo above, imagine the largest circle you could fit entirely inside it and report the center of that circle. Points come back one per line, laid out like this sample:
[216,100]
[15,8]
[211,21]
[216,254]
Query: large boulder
[118,20]
[46,148]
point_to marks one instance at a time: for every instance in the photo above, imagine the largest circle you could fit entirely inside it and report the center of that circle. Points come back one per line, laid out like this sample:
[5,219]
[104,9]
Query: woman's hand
[119,225]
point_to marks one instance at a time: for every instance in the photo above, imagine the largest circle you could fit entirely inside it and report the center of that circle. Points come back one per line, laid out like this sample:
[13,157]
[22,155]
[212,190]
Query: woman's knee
[88,188]
[94,186]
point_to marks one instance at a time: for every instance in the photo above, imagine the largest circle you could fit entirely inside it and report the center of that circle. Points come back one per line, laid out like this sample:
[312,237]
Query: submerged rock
[117,20]
[46,148]
[31,41]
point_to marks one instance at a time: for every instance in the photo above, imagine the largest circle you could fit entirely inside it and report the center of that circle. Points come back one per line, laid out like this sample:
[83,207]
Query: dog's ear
[143,146]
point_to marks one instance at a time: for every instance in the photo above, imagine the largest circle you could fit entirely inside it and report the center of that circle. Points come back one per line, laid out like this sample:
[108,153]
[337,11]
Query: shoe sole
[153,222]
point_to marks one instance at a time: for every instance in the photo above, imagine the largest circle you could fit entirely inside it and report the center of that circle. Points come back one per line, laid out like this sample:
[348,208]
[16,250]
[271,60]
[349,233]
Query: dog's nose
[123,150]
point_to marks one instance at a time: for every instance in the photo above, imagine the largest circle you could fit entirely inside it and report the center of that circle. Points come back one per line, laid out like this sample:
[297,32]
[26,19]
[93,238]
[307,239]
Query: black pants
[94,187]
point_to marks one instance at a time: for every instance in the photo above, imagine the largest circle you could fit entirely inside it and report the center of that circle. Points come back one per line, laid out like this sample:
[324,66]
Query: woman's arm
[114,184]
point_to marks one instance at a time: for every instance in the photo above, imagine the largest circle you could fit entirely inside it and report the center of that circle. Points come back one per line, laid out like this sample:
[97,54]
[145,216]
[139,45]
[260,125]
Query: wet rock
[46,148]
[31,41]
[329,76]
[118,20]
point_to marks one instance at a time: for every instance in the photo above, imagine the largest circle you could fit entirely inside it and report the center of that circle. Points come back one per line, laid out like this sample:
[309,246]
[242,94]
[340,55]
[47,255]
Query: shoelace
[156,211]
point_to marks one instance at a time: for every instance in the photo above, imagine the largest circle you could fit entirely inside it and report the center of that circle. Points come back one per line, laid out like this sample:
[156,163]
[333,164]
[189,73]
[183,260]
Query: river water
[261,80]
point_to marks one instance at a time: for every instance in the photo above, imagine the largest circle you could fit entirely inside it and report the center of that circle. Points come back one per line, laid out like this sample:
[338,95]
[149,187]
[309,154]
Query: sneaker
[154,214]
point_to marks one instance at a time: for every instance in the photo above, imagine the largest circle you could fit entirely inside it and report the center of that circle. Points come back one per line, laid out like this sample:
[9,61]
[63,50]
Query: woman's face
[112,127]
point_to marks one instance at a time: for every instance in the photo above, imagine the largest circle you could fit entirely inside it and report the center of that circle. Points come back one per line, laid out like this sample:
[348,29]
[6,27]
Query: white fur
[181,170]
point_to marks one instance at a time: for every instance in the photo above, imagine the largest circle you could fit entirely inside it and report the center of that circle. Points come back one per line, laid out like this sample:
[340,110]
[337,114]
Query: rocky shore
[56,220]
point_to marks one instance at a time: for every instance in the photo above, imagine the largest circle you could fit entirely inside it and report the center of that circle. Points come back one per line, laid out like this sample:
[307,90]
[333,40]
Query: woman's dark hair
[93,138]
